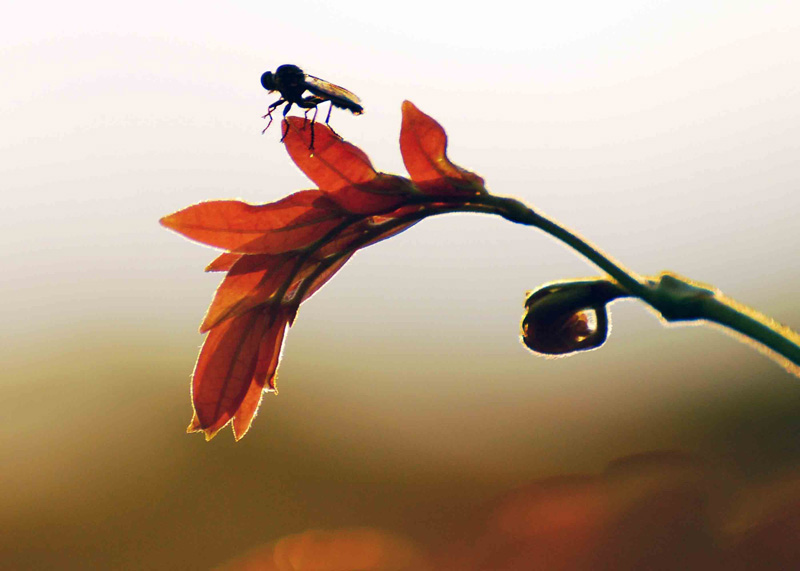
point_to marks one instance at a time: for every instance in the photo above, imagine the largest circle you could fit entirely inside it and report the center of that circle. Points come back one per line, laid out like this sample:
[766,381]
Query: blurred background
[666,132]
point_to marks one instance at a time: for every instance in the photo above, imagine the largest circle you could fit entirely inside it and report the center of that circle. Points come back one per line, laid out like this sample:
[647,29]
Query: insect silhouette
[292,82]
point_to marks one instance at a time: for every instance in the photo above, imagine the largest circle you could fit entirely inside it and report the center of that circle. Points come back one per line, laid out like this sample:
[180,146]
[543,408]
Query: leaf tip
[238,434]
[210,321]
[167,221]
[411,112]
[194,425]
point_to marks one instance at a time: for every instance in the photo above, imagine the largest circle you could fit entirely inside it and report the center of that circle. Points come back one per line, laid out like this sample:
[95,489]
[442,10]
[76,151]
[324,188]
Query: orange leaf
[282,226]
[223,262]
[277,257]
[251,281]
[237,354]
[224,370]
[332,163]
[348,238]
[269,355]
[325,276]
[389,233]
[423,144]
[383,193]
[342,170]
[344,243]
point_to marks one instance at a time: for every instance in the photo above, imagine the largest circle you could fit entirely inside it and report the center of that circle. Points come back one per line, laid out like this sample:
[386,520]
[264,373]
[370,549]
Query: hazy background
[666,132]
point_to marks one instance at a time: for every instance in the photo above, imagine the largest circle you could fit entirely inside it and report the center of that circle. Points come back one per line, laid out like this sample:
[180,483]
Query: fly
[291,82]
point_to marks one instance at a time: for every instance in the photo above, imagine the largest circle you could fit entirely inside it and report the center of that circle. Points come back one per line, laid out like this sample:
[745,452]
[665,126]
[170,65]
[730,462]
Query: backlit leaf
[274,228]
[423,144]
[225,370]
[223,262]
[332,163]
[382,194]
[269,355]
[250,282]
[280,254]
[342,170]
[325,276]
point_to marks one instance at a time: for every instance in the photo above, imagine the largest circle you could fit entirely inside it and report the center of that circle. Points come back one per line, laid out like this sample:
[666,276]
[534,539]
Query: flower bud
[566,317]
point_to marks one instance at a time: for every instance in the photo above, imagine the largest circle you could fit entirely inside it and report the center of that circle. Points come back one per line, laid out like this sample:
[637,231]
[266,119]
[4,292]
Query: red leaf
[423,144]
[269,356]
[256,279]
[342,170]
[277,257]
[223,262]
[383,193]
[389,233]
[325,276]
[344,243]
[351,238]
[237,354]
[250,282]
[332,163]
[274,228]
[225,369]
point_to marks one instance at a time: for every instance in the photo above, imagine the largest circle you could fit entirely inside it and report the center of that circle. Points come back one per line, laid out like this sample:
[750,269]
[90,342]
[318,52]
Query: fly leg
[313,121]
[270,109]
[309,103]
[305,116]
[328,118]
[285,121]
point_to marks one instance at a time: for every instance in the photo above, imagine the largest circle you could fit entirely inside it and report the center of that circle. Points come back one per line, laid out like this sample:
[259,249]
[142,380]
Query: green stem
[516,211]
[756,326]
[675,298]
[680,299]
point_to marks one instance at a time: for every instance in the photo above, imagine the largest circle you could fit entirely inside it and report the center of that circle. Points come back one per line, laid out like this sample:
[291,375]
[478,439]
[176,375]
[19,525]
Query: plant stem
[675,298]
[516,211]
[754,325]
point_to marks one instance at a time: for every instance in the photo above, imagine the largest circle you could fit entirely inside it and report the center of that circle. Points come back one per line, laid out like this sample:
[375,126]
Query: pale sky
[667,132]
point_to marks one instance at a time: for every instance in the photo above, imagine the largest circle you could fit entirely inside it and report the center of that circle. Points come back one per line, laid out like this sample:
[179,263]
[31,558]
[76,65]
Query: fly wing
[339,96]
